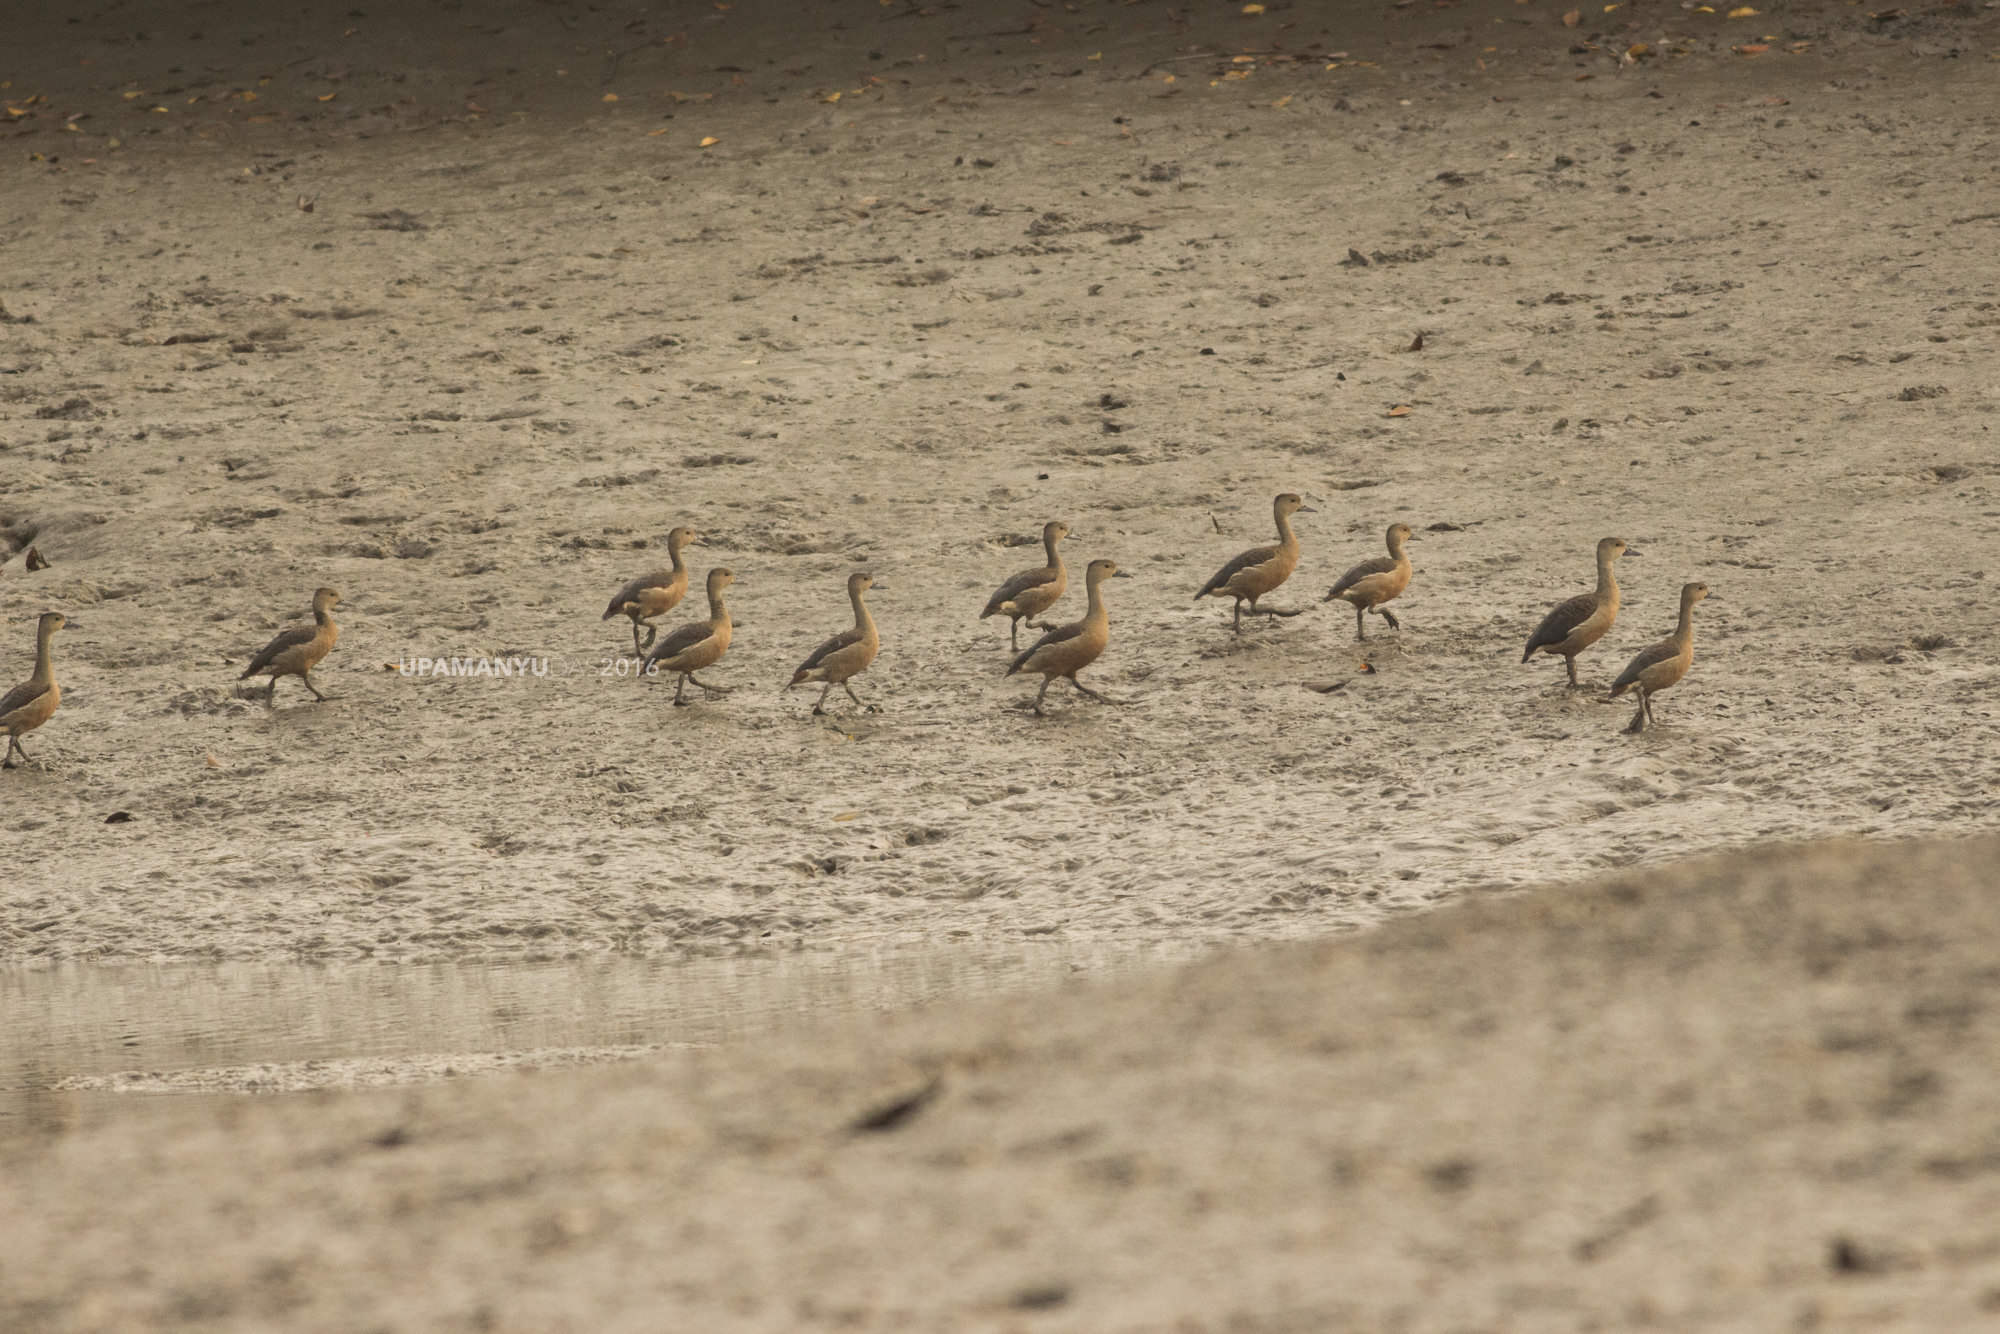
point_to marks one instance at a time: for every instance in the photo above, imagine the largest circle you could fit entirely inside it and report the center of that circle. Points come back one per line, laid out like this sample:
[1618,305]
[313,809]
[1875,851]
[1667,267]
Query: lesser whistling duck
[295,652]
[692,647]
[1373,582]
[1577,623]
[654,594]
[847,654]
[1068,649]
[33,702]
[1259,570]
[1664,664]
[1031,592]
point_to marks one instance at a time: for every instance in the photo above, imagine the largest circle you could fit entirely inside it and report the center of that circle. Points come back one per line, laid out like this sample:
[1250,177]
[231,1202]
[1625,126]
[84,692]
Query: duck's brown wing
[20,697]
[1555,626]
[831,646]
[657,579]
[680,641]
[287,639]
[1055,636]
[1645,658]
[1016,586]
[1254,556]
[1380,565]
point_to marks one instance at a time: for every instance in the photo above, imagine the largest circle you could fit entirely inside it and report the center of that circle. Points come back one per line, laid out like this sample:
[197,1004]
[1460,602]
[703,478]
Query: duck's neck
[1096,611]
[718,610]
[1607,583]
[323,618]
[674,557]
[862,620]
[1684,632]
[1049,543]
[1286,538]
[44,648]
[1396,549]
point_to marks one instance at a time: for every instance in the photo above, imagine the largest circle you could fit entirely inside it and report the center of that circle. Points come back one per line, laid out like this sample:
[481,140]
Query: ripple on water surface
[77,1037]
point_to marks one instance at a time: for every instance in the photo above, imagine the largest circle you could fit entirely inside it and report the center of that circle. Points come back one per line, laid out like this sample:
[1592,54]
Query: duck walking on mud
[295,652]
[1032,592]
[1577,623]
[654,594]
[1068,649]
[1373,582]
[33,702]
[1259,570]
[1664,664]
[693,647]
[840,659]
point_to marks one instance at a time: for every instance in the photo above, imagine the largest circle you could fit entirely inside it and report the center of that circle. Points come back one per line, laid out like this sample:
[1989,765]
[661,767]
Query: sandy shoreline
[1742,1093]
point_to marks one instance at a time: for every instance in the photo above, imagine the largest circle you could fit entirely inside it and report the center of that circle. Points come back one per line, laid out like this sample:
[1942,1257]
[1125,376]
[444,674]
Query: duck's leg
[1086,690]
[307,678]
[819,706]
[1038,696]
[865,708]
[1014,632]
[1569,661]
[680,687]
[1360,621]
[638,649]
[1639,718]
[707,688]
[1390,617]
[1236,621]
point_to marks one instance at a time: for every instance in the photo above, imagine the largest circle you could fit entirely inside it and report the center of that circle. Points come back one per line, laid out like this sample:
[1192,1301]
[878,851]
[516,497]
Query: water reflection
[82,1020]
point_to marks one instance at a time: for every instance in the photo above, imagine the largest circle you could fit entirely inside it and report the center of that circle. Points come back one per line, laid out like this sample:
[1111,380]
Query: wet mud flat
[1734,308]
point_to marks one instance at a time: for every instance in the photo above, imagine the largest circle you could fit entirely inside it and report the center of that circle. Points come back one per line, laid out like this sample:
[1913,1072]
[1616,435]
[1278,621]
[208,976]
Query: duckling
[1068,649]
[693,647]
[1031,592]
[1664,664]
[1374,582]
[33,702]
[1577,623]
[297,651]
[847,654]
[654,594]
[1259,570]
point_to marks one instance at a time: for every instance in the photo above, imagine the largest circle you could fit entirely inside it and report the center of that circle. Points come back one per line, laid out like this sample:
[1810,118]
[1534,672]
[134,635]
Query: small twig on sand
[1292,370]
[1209,55]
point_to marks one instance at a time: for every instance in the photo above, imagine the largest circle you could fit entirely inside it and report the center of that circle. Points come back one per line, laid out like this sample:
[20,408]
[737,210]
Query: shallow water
[83,1043]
